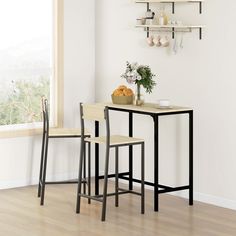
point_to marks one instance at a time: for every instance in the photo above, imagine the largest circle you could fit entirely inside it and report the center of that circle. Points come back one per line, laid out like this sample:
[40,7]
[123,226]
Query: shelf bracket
[148,8]
[173,8]
[200,7]
[173,33]
[148,33]
[200,33]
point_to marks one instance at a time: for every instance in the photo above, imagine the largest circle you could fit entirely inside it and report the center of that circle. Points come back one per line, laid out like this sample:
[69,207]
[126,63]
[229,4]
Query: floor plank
[21,215]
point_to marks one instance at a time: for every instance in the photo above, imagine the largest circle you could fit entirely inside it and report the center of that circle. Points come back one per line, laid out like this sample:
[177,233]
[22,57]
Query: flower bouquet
[141,75]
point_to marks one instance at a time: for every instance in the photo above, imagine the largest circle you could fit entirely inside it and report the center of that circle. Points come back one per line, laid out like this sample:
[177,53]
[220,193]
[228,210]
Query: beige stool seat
[115,140]
[65,132]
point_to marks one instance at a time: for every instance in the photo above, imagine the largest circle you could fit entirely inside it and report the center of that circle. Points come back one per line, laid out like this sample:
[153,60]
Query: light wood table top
[151,108]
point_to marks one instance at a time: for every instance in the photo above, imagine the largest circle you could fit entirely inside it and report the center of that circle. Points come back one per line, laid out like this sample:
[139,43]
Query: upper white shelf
[167,1]
[200,2]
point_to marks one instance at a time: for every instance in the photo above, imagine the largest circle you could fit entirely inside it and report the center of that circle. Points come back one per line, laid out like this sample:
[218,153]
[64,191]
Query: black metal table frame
[158,188]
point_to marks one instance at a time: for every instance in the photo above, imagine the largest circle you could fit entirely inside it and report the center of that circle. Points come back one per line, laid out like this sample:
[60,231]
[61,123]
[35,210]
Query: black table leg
[130,152]
[96,159]
[156,162]
[191,158]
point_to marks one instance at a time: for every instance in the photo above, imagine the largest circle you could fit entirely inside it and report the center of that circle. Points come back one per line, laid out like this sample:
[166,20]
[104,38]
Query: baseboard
[34,180]
[209,199]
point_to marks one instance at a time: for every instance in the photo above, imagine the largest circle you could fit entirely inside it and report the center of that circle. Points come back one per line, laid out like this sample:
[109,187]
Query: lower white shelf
[172,28]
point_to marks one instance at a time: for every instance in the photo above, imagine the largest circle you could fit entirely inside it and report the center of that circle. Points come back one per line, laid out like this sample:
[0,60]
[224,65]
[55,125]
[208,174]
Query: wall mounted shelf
[172,28]
[173,3]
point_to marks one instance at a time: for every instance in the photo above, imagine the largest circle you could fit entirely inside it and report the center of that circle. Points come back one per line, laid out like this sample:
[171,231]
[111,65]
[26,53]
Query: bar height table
[155,112]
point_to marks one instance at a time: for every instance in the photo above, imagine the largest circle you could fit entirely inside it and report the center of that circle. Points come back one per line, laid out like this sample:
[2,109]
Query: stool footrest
[113,194]
[95,198]
[100,196]
[63,182]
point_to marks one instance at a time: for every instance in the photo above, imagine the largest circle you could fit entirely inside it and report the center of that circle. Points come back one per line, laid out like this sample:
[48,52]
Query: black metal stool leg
[80,177]
[104,202]
[41,165]
[89,172]
[84,170]
[44,172]
[117,177]
[142,179]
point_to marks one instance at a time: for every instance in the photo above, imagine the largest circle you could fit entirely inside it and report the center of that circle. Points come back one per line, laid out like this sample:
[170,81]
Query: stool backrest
[94,112]
[45,115]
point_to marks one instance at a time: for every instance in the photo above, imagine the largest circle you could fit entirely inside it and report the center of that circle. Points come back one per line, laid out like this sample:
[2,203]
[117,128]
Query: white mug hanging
[164,41]
[156,41]
[150,41]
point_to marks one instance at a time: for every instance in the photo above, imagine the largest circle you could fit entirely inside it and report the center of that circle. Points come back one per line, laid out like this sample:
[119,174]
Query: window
[30,51]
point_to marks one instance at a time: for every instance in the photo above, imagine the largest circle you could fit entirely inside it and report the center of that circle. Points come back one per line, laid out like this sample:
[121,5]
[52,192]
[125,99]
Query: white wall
[79,57]
[19,158]
[202,76]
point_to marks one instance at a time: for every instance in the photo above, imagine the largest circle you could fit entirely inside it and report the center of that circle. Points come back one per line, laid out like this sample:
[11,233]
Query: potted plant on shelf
[140,75]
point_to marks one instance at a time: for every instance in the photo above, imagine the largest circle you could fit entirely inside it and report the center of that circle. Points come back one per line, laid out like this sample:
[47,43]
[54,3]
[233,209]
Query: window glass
[26,49]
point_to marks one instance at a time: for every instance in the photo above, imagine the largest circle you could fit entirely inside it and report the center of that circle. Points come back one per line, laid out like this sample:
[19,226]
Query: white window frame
[57,97]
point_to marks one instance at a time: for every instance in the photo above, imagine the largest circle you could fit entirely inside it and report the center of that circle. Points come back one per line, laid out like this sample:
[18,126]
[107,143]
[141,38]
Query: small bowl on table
[122,100]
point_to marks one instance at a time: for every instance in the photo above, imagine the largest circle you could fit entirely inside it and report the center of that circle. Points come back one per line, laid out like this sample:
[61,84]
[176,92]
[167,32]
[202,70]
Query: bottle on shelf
[163,19]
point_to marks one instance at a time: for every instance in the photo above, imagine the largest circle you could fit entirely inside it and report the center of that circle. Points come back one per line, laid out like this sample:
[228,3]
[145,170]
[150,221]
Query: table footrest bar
[113,175]
[131,191]
[166,189]
[136,180]
[146,182]
[173,189]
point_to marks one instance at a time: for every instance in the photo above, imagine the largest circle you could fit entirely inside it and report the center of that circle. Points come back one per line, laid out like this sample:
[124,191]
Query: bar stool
[101,113]
[50,133]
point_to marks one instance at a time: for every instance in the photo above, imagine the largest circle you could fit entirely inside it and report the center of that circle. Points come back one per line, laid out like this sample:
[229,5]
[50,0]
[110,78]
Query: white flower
[137,76]
[134,66]
[130,74]
[130,80]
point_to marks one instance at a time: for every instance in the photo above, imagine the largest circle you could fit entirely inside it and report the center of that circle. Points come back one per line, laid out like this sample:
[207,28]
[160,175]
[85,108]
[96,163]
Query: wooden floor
[21,215]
